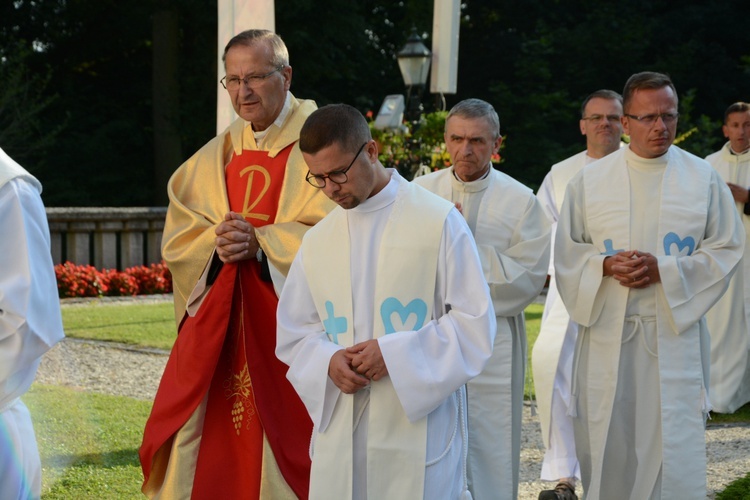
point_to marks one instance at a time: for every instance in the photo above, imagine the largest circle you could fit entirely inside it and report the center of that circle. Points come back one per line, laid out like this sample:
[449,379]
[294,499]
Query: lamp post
[414,62]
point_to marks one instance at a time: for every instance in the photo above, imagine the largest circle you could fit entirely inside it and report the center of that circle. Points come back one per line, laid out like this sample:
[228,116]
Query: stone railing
[106,237]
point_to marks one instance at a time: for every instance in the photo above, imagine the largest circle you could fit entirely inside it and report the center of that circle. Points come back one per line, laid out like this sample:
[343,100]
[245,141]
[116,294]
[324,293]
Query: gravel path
[124,371]
[100,367]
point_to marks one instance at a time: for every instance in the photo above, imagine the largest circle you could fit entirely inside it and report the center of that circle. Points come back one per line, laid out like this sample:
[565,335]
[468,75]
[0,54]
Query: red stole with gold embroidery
[249,392]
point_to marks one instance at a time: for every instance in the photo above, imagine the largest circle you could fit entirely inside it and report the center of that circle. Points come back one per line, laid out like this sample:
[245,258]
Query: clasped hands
[351,369]
[739,193]
[235,239]
[633,269]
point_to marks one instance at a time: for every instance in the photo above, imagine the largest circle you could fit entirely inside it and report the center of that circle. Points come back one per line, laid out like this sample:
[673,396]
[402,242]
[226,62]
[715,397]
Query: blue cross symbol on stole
[333,325]
[608,250]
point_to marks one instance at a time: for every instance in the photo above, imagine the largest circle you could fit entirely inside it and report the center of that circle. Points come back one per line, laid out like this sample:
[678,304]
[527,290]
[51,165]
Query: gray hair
[476,108]
[249,38]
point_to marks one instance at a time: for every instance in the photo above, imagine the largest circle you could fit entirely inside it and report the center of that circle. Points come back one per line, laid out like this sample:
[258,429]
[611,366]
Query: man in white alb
[647,241]
[728,320]
[513,238]
[384,317]
[552,355]
[30,322]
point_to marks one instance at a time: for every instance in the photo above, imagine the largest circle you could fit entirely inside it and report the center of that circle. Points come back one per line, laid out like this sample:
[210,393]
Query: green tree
[24,99]
[133,84]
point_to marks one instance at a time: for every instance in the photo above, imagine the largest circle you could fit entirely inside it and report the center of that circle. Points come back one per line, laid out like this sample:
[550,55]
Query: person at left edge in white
[30,322]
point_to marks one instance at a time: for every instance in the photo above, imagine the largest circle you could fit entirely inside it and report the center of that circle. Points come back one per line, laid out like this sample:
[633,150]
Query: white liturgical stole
[682,218]
[404,299]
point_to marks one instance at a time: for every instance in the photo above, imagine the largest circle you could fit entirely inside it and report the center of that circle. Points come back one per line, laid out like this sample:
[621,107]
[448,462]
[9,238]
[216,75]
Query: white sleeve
[578,263]
[694,283]
[30,320]
[302,343]
[516,272]
[546,196]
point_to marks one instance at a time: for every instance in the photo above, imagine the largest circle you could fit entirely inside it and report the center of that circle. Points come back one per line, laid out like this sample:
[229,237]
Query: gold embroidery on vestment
[248,205]
[240,385]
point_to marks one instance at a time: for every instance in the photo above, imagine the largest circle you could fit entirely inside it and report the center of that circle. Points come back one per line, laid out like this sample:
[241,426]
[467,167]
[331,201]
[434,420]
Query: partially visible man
[728,320]
[384,318]
[647,241]
[30,322]
[513,238]
[552,354]
[225,418]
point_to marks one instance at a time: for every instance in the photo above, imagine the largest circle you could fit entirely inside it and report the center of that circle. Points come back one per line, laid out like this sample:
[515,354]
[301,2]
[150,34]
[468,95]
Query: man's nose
[660,123]
[331,187]
[245,89]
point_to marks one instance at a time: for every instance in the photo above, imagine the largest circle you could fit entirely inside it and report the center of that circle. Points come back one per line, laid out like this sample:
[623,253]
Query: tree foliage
[77,87]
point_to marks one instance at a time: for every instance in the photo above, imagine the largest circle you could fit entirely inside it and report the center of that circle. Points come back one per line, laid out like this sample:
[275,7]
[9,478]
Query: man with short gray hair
[513,238]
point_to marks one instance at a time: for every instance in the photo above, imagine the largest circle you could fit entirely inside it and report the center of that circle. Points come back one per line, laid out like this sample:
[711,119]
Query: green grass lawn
[88,443]
[533,315]
[146,325]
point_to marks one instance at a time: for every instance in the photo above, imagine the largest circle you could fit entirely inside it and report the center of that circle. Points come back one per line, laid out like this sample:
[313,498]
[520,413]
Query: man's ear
[286,72]
[498,143]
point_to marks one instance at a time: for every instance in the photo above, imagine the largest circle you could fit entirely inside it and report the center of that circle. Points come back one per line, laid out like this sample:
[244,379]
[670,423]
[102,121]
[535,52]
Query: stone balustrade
[106,237]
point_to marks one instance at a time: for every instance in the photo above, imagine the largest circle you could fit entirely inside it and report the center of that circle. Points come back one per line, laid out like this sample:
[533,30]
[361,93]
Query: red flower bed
[86,281]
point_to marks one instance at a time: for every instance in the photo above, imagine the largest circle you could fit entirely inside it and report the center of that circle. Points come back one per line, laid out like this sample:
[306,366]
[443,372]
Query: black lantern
[414,61]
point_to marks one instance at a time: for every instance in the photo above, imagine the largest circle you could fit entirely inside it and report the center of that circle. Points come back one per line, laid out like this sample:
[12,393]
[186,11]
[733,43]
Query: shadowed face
[470,142]
[737,130]
[363,177]
[651,140]
[602,126]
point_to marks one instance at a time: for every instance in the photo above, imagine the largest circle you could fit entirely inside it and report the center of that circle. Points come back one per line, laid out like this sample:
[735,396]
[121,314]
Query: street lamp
[414,62]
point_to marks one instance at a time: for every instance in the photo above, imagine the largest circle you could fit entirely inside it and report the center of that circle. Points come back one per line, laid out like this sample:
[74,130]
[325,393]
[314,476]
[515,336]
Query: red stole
[231,343]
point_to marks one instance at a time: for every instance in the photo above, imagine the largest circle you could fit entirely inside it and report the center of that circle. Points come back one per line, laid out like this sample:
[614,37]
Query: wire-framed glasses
[251,81]
[337,176]
[651,119]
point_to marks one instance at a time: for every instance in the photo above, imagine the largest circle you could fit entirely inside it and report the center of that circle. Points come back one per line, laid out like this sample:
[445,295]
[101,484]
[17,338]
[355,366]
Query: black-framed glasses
[251,81]
[598,118]
[651,119]
[337,176]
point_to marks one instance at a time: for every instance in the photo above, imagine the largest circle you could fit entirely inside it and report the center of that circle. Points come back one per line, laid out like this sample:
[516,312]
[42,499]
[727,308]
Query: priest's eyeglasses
[651,119]
[598,118]
[337,176]
[251,81]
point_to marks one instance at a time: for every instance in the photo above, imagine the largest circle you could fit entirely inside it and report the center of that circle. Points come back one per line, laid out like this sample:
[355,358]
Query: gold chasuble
[225,422]
[255,428]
